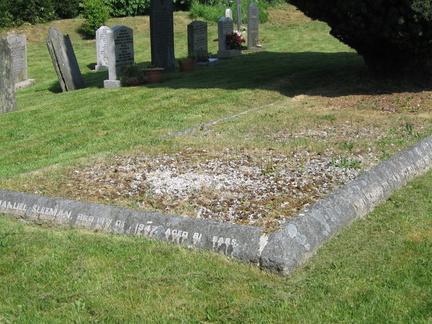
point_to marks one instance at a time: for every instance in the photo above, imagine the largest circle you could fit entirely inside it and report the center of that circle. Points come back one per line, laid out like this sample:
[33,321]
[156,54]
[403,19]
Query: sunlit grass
[377,270]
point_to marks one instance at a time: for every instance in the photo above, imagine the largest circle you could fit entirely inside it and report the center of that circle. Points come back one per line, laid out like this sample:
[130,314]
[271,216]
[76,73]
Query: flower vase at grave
[154,75]
[187,64]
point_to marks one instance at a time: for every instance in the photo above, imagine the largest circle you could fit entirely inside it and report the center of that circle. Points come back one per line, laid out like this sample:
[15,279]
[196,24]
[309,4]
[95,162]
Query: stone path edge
[280,251]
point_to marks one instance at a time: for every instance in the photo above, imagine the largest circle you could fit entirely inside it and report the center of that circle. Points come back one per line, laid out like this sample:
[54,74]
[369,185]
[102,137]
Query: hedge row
[19,12]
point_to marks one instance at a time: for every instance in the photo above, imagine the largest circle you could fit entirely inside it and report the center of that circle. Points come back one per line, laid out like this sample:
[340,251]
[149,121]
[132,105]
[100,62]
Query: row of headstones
[114,49]
[114,46]
[13,70]
[253,23]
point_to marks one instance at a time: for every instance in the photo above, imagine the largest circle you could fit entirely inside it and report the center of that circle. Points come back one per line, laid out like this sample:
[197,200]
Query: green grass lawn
[376,271]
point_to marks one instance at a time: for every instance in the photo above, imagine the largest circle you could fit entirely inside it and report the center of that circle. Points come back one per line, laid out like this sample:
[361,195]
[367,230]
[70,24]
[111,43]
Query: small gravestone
[228,13]
[18,47]
[7,84]
[253,25]
[197,38]
[162,34]
[225,27]
[120,52]
[101,48]
[64,60]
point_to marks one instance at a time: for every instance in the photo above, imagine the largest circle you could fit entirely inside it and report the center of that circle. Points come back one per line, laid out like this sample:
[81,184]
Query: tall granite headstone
[197,38]
[64,60]
[162,34]
[239,15]
[253,25]
[18,47]
[102,48]
[120,49]
[7,84]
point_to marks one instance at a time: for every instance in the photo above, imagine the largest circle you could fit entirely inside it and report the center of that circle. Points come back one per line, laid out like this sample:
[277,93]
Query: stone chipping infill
[237,187]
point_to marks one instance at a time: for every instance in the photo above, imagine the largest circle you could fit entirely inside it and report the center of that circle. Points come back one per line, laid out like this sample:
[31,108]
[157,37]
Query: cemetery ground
[313,112]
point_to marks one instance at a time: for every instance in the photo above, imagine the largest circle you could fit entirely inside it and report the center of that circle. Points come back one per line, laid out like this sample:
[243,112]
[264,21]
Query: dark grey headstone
[253,25]
[162,34]
[64,60]
[102,48]
[197,38]
[7,84]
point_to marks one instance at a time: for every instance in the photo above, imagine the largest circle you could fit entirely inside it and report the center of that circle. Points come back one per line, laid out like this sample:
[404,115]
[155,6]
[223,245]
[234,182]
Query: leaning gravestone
[197,38]
[7,84]
[225,27]
[253,25]
[18,47]
[120,52]
[102,48]
[162,34]
[64,60]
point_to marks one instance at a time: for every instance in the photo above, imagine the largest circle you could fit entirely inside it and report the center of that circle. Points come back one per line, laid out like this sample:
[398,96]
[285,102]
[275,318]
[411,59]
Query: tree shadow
[291,74]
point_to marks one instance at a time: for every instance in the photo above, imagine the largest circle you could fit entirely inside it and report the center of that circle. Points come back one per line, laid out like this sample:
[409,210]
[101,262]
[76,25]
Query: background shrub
[124,8]
[67,9]
[96,14]
[18,12]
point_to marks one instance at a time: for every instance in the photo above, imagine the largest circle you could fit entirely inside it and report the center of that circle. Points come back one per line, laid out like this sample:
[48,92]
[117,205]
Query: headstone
[239,15]
[18,47]
[228,13]
[101,48]
[162,34]
[253,25]
[7,84]
[225,27]
[120,52]
[64,60]
[197,38]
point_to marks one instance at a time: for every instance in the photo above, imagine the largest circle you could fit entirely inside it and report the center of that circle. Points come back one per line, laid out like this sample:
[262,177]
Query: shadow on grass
[291,74]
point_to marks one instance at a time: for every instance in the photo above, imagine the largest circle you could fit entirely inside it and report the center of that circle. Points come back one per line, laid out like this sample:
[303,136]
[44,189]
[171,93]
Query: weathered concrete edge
[239,241]
[301,236]
[281,251]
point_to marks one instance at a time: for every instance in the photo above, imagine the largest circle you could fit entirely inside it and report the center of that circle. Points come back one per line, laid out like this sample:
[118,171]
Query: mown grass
[376,271]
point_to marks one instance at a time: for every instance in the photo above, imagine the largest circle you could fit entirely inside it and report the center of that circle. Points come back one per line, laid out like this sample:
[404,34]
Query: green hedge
[18,12]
